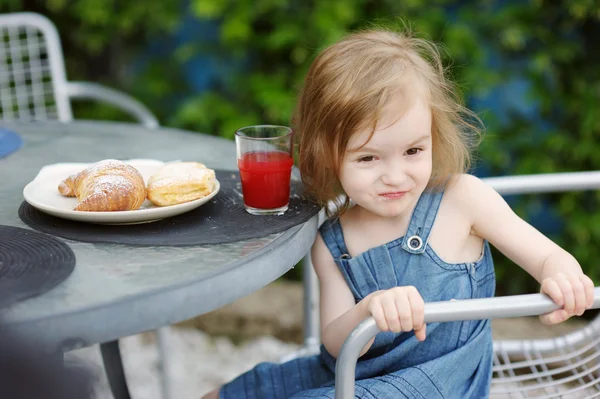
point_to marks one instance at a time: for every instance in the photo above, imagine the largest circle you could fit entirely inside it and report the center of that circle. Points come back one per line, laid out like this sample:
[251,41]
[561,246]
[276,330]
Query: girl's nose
[393,174]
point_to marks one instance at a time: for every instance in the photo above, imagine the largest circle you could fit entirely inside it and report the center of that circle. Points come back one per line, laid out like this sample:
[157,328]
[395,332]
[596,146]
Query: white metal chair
[33,83]
[34,87]
[564,367]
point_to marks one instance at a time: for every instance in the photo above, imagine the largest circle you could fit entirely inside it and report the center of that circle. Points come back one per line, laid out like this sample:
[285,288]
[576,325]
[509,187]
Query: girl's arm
[339,314]
[555,269]
[396,309]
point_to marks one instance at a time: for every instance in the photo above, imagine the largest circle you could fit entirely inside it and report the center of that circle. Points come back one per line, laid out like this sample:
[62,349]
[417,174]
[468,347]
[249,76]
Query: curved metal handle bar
[545,182]
[119,99]
[437,312]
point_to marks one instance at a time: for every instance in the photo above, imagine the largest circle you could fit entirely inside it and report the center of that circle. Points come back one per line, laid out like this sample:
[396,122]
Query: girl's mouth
[393,195]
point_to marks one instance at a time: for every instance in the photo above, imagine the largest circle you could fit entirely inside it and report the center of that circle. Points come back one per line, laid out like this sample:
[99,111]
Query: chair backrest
[566,366]
[32,71]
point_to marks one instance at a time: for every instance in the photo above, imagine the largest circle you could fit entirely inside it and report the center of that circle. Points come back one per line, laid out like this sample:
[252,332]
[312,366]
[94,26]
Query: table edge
[159,307]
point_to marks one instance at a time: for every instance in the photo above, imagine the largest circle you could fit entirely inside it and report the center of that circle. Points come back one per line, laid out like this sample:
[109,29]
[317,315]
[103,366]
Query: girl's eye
[413,151]
[368,158]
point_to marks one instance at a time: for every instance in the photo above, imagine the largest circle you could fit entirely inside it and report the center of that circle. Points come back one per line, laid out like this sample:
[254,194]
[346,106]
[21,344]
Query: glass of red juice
[264,157]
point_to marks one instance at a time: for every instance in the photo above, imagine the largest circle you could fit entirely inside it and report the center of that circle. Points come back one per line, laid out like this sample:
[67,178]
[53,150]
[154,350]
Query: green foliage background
[264,48]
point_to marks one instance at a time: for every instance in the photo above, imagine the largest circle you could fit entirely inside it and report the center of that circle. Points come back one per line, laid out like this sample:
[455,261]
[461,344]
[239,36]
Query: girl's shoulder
[465,188]
[472,197]
[462,192]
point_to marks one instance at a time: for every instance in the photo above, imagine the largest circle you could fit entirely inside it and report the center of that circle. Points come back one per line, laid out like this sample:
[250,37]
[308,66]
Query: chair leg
[312,336]
[162,338]
[113,366]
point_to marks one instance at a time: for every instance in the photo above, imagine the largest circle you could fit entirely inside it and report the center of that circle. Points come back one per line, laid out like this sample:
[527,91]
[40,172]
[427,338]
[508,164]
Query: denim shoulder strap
[331,231]
[422,221]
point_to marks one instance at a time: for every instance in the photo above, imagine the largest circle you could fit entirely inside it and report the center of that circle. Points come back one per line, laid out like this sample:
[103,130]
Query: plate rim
[119,216]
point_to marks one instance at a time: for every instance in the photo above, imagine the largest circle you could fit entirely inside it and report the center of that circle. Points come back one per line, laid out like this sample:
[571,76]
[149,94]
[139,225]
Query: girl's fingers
[403,310]
[545,319]
[574,293]
[578,294]
[567,291]
[391,314]
[418,314]
[379,316]
[421,333]
[404,313]
[417,306]
[588,286]
[555,317]
[551,288]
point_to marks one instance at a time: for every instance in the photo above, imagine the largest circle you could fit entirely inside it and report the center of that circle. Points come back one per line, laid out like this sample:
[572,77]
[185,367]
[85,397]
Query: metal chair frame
[560,367]
[33,83]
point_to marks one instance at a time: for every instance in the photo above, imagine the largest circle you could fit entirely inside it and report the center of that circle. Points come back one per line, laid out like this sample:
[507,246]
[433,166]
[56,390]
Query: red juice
[266,179]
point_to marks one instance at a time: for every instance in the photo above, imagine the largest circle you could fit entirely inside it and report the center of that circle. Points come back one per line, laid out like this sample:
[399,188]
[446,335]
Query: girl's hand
[574,292]
[399,309]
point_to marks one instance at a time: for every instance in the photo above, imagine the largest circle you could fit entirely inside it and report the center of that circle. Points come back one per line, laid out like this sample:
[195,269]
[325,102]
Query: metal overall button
[345,256]
[415,243]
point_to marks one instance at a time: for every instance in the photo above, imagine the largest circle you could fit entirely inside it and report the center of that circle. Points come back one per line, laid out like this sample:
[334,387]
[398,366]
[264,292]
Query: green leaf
[210,9]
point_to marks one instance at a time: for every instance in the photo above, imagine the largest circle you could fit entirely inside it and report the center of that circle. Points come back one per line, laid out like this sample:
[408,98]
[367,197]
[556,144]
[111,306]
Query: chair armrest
[436,312]
[545,182]
[119,99]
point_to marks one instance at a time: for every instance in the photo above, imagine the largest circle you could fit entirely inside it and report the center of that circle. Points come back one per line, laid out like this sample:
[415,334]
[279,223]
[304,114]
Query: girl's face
[387,175]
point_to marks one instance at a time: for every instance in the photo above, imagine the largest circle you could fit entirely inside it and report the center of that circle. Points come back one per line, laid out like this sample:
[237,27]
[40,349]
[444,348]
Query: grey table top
[117,290]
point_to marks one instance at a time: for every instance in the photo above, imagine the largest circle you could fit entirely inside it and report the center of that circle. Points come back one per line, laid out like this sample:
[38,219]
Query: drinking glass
[264,157]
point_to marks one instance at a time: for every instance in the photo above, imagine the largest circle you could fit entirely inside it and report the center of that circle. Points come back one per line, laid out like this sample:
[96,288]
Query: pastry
[180,182]
[108,185]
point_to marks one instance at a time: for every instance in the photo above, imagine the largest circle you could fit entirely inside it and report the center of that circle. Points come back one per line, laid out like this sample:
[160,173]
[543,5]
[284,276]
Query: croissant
[108,185]
[179,182]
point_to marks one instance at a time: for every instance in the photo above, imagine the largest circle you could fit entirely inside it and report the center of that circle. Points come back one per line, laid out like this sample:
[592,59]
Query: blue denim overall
[455,361]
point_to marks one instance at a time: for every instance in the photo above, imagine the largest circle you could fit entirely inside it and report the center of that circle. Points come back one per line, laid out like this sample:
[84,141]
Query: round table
[118,290]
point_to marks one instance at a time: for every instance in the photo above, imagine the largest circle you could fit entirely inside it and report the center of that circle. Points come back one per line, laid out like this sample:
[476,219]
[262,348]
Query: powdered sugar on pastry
[108,185]
[113,176]
[180,182]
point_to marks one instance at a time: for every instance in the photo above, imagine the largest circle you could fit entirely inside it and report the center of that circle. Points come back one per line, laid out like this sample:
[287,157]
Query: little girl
[381,129]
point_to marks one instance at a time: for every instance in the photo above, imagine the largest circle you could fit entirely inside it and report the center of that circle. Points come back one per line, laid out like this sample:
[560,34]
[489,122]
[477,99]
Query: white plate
[42,193]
